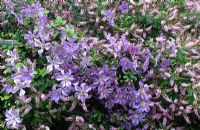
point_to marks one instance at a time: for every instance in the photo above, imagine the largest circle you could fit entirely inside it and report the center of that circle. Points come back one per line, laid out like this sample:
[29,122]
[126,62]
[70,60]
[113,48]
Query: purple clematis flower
[70,50]
[165,63]
[82,92]
[124,41]
[132,49]
[136,118]
[101,79]
[59,49]
[86,61]
[144,106]
[123,7]
[157,58]
[54,63]
[7,88]
[109,104]
[42,45]
[21,85]
[126,64]
[56,95]
[110,16]
[13,57]
[146,64]
[120,97]
[65,78]
[22,95]
[42,21]
[113,47]
[66,91]
[23,74]
[45,34]
[29,12]
[160,41]
[171,47]
[142,91]
[105,91]
[13,120]
[31,37]
[133,98]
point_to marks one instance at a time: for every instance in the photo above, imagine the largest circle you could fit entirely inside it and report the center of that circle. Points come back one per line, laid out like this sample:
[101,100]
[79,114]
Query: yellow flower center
[135,116]
[143,103]
[142,91]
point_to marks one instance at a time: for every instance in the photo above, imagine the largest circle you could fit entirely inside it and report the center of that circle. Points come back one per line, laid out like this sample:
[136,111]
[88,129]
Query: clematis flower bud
[37,100]
[44,97]
[175,88]
[27,110]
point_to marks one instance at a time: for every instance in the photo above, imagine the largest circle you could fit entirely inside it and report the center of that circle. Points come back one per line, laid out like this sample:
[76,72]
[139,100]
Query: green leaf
[46,11]
[48,106]
[7,70]
[64,107]
[55,85]
[42,72]
[6,97]
[181,58]
[59,21]
[70,33]
[27,22]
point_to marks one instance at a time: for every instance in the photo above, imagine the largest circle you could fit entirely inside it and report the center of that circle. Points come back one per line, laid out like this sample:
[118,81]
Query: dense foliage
[87,64]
